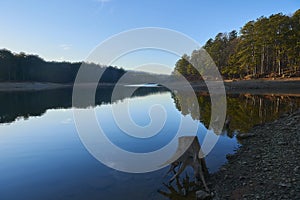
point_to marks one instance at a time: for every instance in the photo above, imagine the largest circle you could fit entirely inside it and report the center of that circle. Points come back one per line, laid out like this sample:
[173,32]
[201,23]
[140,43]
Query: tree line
[266,47]
[31,68]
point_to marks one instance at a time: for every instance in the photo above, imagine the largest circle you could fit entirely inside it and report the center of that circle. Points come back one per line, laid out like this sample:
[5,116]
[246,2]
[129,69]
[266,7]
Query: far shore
[258,86]
[255,86]
[37,86]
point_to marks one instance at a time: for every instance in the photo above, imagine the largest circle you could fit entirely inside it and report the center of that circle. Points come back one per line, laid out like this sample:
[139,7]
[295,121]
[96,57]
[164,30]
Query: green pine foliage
[266,47]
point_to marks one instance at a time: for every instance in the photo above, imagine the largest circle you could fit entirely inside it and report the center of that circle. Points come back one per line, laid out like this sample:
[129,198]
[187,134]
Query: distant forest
[266,47]
[20,67]
[31,68]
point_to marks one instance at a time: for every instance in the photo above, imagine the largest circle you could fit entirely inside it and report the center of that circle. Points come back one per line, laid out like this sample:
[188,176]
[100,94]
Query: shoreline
[30,86]
[258,86]
[39,86]
[266,166]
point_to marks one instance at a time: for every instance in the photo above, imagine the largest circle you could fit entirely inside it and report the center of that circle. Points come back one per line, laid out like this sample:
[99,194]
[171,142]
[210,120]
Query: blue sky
[70,30]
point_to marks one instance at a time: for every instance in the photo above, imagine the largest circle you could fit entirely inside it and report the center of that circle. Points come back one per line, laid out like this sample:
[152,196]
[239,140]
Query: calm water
[42,157]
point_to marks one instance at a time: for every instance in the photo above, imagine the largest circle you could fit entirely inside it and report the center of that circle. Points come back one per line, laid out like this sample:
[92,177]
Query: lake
[42,156]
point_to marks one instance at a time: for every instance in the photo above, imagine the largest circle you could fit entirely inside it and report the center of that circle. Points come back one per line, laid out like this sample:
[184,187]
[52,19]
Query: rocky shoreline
[267,166]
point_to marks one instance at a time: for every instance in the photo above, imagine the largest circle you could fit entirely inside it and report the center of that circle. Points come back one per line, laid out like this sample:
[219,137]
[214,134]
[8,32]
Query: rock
[257,156]
[223,169]
[245,135]
[225,177]
[282,143]
[284,115]
[265,169]
[183,192]
[230,156]
[202,195]
[284,184]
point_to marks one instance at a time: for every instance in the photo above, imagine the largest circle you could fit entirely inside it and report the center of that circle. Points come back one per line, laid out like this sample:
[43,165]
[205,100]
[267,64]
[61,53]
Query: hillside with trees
[31,68]
[20,67]
[268,47]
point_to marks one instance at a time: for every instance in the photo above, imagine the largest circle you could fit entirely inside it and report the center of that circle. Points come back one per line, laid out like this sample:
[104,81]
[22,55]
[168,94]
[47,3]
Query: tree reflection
[244,110]
[35,103]
[183,189]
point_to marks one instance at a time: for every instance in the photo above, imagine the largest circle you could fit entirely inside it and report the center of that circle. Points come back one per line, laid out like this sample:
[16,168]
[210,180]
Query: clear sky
[70,29]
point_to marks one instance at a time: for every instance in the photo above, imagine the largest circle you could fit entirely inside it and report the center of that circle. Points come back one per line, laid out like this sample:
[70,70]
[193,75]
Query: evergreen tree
[266,47]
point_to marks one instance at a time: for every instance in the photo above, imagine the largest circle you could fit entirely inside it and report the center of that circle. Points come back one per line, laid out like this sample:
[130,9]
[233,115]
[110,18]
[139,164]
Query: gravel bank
[267,166]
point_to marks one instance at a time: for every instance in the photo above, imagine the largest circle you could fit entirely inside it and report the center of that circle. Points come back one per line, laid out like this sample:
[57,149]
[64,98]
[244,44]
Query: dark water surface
[42,157]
